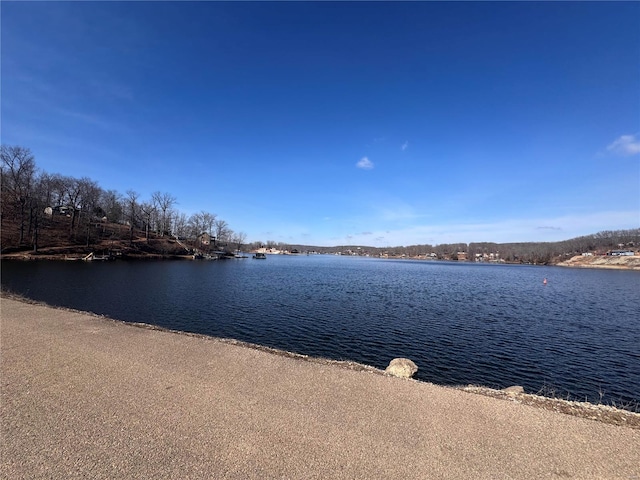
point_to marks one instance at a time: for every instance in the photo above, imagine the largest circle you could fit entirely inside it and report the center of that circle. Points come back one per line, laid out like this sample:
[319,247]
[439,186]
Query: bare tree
[17,175]
[163,203]
[89,205]
[58,189]
[222,231]
[132,211]
[73,193]
[239,238]
[112,205]
[195,225]
[208,221]
[81,197]
[40,198]
[147,210]
[180,227]
[45,188]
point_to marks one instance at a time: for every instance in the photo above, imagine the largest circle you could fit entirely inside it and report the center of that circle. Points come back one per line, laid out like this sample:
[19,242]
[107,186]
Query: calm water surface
[494,325]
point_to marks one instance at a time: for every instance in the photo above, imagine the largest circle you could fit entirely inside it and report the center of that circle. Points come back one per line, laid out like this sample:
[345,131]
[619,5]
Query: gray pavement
[86,397]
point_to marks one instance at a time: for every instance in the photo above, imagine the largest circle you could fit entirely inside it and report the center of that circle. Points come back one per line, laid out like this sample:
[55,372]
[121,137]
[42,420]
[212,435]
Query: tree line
[523,252]
[29,197]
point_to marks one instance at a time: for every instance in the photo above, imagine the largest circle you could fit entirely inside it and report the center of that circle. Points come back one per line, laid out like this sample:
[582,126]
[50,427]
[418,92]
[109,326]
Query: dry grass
[610,262]
[603,413]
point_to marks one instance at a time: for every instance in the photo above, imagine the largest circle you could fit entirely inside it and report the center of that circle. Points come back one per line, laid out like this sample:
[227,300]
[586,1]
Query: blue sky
[338,123]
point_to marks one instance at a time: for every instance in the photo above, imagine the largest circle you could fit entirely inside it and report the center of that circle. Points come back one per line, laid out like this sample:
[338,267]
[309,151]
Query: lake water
[461,323]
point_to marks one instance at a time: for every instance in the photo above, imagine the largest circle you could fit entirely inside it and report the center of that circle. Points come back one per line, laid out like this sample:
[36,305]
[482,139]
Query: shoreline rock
[402,368]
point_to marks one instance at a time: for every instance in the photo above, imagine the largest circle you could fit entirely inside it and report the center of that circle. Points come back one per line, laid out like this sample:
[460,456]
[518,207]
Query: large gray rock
[401,367]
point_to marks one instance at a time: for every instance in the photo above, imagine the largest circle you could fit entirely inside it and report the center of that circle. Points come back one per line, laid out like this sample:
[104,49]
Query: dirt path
[88,397]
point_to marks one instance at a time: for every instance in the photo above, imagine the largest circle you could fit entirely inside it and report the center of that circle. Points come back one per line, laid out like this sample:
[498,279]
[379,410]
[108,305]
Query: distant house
[62,210]
[204,239]
[621,253]
[268,250]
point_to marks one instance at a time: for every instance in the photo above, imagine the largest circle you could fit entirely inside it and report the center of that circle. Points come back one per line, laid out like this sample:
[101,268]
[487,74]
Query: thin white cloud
[625,145]
[365,164]
[549,228]
[404,146]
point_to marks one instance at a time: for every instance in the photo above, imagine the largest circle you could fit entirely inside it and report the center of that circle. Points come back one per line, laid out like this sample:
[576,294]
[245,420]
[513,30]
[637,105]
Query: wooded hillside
[53,214]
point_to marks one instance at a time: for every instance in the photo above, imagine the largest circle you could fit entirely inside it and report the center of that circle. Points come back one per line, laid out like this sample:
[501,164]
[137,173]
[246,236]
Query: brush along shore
[631,262]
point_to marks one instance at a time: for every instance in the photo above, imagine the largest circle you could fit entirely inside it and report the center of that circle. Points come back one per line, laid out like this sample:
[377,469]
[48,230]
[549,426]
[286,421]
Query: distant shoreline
[578,261]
